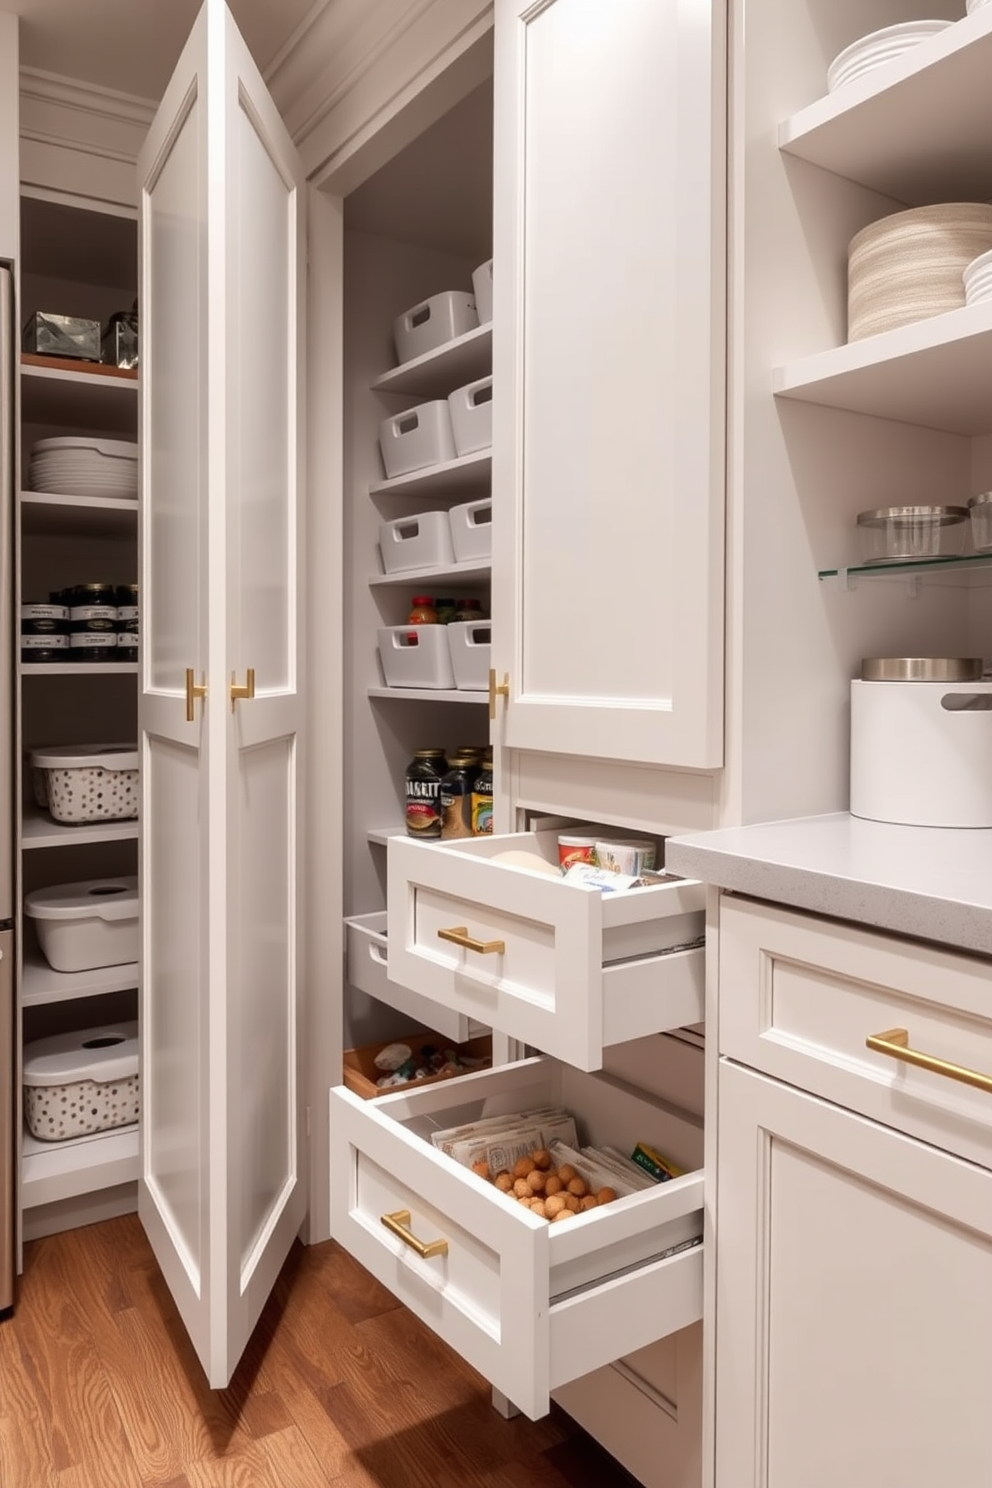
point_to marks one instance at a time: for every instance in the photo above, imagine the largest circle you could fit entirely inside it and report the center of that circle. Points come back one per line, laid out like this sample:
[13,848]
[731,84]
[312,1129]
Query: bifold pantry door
[222,1192]
[609,372]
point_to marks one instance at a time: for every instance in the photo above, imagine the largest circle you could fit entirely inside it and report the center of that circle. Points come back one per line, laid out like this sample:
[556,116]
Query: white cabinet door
[854,1299]
[221,1192]
[608,362]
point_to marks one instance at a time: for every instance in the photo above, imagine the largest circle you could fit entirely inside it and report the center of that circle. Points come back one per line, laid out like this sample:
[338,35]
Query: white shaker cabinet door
[221,1189]
[854,1299]
[609,367]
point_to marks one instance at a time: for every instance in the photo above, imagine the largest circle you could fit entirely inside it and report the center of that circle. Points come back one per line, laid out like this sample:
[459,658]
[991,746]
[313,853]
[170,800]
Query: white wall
[9,168]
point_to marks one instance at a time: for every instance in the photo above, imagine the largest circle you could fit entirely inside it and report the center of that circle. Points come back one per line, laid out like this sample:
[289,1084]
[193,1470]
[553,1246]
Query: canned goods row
[450,796]
[82,645]
[53,619]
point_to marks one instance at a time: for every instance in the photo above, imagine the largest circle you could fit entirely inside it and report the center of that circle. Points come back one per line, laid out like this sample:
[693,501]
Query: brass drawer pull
[459,936]
[895,1043]
[399,1224]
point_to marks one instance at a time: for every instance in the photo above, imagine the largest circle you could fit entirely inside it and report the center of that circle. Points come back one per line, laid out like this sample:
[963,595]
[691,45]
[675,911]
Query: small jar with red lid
[422,611]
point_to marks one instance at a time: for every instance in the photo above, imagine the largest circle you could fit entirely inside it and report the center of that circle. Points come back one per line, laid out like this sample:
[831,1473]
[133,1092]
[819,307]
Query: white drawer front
[800,996]
[568,970]
[528,1304]
[366,952]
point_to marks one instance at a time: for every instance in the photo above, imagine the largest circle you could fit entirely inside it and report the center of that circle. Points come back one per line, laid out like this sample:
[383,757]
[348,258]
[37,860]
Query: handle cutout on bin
[420,315]
[402,639]
[105,1041]
[479,635]
[481,516]
[407,423]
[967,702]
[482,394]
[403,531]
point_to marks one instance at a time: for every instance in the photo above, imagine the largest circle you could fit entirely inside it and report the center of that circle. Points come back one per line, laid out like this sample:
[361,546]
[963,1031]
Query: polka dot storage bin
[79,1083]
[88,785]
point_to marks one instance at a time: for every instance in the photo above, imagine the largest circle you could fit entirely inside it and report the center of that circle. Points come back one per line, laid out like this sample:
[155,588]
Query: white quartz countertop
[930,882]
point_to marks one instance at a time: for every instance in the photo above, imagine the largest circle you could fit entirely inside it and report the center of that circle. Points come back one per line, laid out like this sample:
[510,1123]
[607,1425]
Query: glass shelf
[956,570]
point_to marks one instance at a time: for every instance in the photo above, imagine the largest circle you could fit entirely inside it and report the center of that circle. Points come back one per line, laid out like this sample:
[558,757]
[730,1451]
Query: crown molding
[85,98]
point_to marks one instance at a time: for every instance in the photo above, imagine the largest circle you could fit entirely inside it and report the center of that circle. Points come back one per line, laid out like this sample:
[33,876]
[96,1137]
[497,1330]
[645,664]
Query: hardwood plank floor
[340,1385]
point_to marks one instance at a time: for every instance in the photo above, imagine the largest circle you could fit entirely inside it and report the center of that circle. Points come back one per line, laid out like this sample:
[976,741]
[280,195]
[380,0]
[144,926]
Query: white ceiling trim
[85,98]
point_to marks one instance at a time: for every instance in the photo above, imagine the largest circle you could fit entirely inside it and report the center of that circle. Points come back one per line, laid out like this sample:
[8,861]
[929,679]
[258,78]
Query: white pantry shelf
[935,373]
[437,373]
[469,475]
[45,515]
[429,694]
[39,830]
[79,668]
[916,129]
[456,572]
[51,1171]
[98,399]
[40,984]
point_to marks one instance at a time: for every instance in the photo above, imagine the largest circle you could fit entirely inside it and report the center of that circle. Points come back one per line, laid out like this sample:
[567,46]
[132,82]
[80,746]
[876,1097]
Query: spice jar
[469,609]
[482,798]
[446,610]
[422,611]
[456,796]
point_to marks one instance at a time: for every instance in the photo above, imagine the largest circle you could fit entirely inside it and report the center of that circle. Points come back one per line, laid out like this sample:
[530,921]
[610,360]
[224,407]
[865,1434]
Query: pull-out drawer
[365,941]
[801,997]
[566,969]
[529,1304]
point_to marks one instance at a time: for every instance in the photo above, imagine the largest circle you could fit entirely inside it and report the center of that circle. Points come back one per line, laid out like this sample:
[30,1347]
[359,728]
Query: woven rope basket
[908,266]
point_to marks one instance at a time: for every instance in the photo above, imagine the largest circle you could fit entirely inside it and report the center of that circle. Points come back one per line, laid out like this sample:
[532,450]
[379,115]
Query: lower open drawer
[529,1304]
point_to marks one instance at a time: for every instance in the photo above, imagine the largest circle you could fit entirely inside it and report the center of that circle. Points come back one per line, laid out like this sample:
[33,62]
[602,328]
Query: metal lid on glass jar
[937,516]
[921,669]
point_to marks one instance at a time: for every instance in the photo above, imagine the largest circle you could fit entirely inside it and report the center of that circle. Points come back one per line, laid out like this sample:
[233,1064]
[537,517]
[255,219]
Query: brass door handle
[497,689]
[459,936]
[245,690]
[895,1043]
[399,1225]
[194,690]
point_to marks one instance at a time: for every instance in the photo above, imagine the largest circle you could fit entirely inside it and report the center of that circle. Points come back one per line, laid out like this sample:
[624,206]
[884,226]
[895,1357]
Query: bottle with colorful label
[424,775]
[482,798]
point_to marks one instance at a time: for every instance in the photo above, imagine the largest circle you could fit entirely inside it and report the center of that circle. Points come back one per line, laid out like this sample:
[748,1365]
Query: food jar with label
[127,645]
[44,648]
[89,645]
[482,798]
[422,611]
[88,594]
[424,775]
[456,796]
[44,619]
[446,610]
[469,609]
[127,607]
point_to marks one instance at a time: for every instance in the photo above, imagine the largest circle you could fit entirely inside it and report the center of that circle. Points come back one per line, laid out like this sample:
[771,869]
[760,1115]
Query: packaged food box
[48,334]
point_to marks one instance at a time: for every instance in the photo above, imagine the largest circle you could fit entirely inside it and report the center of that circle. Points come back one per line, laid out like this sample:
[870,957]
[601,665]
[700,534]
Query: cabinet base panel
[87,1209]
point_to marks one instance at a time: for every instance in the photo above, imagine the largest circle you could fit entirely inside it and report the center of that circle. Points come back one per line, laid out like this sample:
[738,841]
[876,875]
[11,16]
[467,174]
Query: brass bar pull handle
[245,690]
[497,689]
[895,1043]
[459,936]
[194,690]
[398,1224]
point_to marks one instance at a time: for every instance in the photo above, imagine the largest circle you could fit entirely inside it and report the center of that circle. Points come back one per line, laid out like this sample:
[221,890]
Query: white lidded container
[88,783]
[82,1082]
[921,742]
[416,656]
[482,284]
[423,541]
[472,530]
[432,322]
[471,652]
[84,925]
[420,437]
[471,409]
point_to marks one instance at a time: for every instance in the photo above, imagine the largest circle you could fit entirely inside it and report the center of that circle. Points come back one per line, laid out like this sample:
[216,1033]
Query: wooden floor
[99,1388]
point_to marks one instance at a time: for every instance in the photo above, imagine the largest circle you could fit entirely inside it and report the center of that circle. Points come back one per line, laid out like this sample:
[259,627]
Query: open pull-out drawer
[529,1304]
[567,969]
[367,970]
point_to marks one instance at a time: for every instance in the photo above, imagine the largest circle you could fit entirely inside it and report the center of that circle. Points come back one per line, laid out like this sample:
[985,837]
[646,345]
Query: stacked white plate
[974,5]
[978,280]
[85,467]
[878,48]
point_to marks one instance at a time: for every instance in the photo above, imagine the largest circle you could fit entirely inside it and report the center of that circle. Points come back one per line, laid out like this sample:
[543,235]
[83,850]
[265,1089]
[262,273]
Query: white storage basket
[482,284]
[422,436]
[471,653]
[84,925]
[472,530]
[94,783]
[433,322]
[423,541]
[416,656]
[78,1083]
[471,410]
